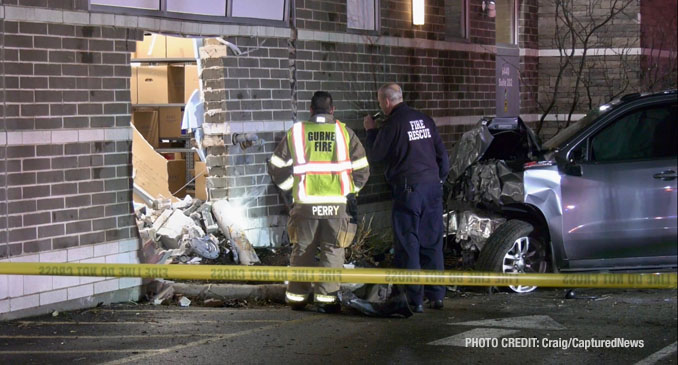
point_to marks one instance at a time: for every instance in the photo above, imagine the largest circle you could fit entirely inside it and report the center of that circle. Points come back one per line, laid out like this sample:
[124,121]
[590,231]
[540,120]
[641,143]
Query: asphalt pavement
[598,326]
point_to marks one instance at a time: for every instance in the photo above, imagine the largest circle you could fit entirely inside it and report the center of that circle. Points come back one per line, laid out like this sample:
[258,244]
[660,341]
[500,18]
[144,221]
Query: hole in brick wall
[164,86]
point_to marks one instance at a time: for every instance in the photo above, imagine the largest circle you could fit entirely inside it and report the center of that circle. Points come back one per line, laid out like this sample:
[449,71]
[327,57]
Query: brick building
[65,140]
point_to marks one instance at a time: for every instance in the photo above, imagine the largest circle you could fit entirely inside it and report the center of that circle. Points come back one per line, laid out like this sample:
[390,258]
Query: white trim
[590,52]
[62,136]
[197,28]
[19,13]
[459,120]
[312,35]
[529,52]
[550,117]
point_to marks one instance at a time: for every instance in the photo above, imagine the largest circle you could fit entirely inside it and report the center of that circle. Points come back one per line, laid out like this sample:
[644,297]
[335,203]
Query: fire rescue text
[322,141]
[418,130]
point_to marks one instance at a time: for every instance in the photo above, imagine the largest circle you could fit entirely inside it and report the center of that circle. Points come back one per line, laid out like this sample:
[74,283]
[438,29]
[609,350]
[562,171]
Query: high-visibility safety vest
[322,166]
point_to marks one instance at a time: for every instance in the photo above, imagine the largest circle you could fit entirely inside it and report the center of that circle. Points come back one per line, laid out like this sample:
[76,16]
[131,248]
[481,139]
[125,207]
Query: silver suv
[599,196]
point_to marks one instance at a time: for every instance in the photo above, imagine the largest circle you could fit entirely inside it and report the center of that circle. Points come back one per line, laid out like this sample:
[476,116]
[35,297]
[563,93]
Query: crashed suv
[598,196]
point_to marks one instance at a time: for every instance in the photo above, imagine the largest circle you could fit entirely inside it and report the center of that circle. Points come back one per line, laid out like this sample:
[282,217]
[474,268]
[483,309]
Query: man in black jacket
[416,164]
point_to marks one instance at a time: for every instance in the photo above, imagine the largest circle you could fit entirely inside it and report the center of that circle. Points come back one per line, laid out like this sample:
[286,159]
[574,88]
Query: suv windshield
[564,135]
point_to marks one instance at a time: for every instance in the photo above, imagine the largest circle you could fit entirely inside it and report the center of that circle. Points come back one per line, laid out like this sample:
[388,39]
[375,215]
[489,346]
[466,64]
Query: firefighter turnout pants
[418,234]
[311,238]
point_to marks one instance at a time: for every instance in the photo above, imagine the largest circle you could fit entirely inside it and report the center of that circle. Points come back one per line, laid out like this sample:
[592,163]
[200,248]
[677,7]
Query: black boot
[397,305]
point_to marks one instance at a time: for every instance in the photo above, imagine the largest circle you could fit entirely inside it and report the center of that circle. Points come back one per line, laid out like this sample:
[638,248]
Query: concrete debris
[186,232]
[164,294]
[184,302]
[183,204]
[208,219]
[172,230]
[226,217]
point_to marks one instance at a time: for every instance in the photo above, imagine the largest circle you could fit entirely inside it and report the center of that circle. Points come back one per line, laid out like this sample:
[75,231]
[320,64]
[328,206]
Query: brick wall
[67,160]
[66,151]
[67,91]
[611,66]
[659,62]
[270,85]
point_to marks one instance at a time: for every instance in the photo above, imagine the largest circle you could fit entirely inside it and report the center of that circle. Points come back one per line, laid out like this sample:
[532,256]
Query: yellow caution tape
[373,276]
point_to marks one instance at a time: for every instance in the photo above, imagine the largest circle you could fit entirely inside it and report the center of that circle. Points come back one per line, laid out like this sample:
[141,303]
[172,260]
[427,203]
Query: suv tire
[500,252]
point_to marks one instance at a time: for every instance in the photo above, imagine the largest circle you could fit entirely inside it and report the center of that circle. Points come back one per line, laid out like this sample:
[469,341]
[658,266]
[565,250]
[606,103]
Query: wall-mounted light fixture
[418,12]
[489,9]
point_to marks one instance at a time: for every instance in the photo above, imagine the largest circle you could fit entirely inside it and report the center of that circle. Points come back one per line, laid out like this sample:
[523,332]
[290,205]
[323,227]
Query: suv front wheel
[514,248]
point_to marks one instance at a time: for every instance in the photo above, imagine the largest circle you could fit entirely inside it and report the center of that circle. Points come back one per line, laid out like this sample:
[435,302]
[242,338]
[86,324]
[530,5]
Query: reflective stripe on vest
[299,143]
[342,156]
[287,184]
[340,165]
[278,162]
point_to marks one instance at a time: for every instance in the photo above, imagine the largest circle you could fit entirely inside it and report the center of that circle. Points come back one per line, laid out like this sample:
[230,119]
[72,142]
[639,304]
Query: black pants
[418,234]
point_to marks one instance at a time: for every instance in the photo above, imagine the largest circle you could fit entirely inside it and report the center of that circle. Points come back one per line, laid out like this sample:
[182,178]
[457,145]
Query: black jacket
[410,145]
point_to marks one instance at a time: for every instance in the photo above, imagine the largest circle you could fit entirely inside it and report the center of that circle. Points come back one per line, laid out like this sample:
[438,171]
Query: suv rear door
[622,211]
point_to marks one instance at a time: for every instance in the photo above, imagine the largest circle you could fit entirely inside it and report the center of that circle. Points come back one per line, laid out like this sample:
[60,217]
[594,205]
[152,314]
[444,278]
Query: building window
[362,14]
[212,7]
[456,19]
[505,21]
[262,11]
[135,4]
[259,9]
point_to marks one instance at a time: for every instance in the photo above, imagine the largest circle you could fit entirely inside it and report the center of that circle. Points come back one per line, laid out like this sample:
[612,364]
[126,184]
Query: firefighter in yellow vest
[324,165]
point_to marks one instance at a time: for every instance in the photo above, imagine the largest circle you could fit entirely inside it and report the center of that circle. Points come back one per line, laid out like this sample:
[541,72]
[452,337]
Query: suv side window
[641,134]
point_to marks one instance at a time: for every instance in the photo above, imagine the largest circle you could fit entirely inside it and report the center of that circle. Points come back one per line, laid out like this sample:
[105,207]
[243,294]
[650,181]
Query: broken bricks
[187,232]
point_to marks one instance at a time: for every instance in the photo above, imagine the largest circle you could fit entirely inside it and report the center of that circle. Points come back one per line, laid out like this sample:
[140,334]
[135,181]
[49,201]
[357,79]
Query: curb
[271,292]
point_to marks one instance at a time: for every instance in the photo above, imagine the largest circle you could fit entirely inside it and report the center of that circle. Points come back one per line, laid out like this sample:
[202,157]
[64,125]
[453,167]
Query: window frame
[514,26]
[377,21]
[466,29]
[225,19]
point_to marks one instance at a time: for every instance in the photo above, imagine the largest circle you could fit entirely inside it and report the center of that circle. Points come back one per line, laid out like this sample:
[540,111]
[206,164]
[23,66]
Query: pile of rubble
[192,231]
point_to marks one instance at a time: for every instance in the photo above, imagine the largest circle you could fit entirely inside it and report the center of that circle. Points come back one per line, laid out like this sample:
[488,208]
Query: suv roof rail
[631,96]
[637,95]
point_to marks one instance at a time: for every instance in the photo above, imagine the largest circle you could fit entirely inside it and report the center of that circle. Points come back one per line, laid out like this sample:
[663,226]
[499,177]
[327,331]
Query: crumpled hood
[494,138]
[487,162]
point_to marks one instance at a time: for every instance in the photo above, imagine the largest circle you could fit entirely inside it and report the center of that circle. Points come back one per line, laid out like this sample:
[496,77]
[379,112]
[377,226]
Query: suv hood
[487,162]
[507,139]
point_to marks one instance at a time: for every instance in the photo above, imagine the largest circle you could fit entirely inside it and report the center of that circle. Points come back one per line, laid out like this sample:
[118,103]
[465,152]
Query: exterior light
[488,7]
[418,12]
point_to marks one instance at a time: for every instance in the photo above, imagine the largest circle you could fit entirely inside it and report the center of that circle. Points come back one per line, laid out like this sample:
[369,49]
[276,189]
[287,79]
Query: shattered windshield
[564,135]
